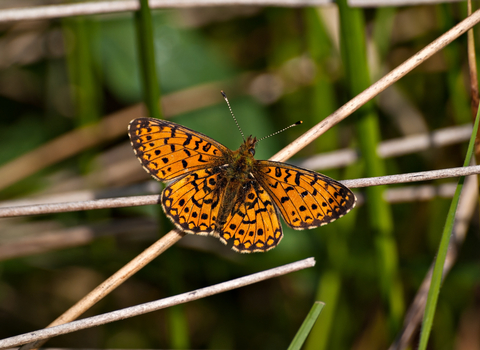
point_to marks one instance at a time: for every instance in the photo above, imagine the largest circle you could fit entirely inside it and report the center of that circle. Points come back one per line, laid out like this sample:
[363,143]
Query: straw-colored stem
[154,199]
[372,91]
[113,282]
[38,336]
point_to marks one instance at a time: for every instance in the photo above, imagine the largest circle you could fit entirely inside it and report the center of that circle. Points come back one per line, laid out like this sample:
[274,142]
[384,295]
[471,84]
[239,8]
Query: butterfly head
[243,159]
[249,145]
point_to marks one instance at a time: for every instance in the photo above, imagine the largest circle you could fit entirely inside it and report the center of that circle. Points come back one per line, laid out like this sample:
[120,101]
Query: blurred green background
[277,65]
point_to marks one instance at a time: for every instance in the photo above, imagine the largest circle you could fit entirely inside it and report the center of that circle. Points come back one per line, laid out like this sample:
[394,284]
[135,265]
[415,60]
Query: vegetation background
[278,65]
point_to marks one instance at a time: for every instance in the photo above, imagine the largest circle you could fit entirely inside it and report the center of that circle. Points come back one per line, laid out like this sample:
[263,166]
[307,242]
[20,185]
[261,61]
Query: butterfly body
[230,194]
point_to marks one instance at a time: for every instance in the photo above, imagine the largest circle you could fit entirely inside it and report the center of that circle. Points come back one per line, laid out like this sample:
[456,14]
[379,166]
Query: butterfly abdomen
[237,178]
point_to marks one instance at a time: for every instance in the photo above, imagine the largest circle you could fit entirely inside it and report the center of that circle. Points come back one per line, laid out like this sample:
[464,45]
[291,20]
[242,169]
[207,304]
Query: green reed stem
[81,70]
[84,85]
[306,326]
[437,274]
[353,43]
[146,52]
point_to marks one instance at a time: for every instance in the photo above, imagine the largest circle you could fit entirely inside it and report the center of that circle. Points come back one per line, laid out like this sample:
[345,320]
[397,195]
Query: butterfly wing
[306,199]
[168,150]
[193,202]
[253,224]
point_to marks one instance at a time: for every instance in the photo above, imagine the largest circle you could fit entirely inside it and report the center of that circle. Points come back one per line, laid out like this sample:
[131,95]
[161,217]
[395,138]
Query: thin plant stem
[437,273]
[343,157]
[91,8]
[41,242]
[37,336]
[146,53]
[154,199]
[84,234]
[111,283]
[376,88]
[472,65]
[389,148]
[306,326]
[354,57]
[413,318]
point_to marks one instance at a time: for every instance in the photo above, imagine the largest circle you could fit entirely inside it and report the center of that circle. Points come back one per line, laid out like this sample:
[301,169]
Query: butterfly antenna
[279,131]
[233,115]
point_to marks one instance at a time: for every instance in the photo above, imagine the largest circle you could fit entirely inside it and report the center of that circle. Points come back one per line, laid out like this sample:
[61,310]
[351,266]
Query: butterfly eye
[252,151]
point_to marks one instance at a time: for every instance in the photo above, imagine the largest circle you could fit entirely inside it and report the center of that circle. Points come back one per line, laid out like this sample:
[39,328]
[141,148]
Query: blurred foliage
[298,73]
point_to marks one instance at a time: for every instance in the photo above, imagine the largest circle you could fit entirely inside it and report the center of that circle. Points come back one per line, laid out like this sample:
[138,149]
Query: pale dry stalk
[141,309]
[372,91]
[112,282]
[154,199]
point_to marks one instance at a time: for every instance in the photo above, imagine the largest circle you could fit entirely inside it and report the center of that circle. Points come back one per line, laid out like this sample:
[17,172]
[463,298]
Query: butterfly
[229,194]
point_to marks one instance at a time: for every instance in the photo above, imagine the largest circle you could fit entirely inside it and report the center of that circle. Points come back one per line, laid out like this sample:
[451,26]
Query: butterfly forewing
[305,198]
[253,224]
[168,150]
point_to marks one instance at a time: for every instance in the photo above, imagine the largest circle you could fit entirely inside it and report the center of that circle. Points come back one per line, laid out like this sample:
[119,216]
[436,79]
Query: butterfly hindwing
[193,201]
[253,225]
[305,199]
[168,150]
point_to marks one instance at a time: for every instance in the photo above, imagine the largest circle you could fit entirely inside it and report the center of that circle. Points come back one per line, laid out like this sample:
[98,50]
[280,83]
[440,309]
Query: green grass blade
[146,50]
[81,69]
[352,29]
[84,82]
[329,288]
[437,274]
[306,326]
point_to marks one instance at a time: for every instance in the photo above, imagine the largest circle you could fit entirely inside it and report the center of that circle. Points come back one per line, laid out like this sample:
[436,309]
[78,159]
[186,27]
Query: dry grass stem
[109,284]
[155,199]
[412,177]
[372,91]
[67,145]
[99,7]
[419,193]
[390,148]
[472,65]
[384,3]
[413,318]
[39,335]
[83,205]
[413,193]
[144,228]
[472,68]
[147,187]
[73,237]
[329,160]
[91,8]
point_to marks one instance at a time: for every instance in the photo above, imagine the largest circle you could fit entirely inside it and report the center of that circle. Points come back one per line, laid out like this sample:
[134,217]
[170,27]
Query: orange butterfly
[229,194]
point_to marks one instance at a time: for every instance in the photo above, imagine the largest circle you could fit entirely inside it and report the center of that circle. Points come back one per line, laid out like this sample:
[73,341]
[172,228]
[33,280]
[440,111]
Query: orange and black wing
[253,225]
[193,202]
[305,199]
[168,150]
